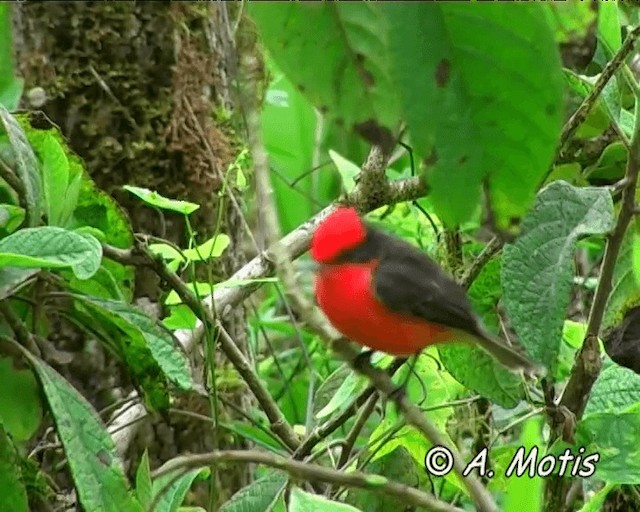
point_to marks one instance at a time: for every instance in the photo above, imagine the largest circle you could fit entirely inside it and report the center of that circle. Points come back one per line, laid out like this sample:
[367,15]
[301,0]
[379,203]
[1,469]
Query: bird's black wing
[408,281]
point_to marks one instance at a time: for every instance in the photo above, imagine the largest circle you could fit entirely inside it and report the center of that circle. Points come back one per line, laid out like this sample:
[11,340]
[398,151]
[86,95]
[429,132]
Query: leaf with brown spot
[478,85]
[443,70]
[343,64]
[376,134]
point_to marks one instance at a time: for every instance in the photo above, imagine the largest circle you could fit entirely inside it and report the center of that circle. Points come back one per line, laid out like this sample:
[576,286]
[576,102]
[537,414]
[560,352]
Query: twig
[492,248]
[328,428]
[312,472]
[357,427]
[23,335]
[609,70]
[587,366]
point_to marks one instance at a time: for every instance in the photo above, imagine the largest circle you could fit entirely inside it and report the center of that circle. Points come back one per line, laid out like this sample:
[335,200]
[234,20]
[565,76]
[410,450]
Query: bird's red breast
[345,294]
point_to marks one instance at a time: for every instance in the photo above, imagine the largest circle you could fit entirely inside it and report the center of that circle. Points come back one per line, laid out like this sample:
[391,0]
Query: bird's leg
[398,393]
[362,358]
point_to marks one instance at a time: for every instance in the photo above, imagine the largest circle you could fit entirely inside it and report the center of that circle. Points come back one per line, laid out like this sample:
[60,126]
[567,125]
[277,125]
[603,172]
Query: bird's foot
[362,358]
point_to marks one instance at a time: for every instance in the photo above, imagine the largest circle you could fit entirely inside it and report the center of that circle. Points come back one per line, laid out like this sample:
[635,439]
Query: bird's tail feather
[507,355]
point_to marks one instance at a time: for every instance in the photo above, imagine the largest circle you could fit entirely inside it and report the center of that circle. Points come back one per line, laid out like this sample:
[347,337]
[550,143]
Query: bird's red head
[340,231]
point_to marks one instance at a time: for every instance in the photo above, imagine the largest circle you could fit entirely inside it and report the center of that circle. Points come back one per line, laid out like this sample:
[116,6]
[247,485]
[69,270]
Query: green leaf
[349,45]
[537,269]
[10,85]
[610,165]
[468,126]
[347,169]
[51,247]
[200,289]
[258,496]
[173,495]
[302,501]
[289,129]
[329,387]
[524,493]
[397,466]
[616,389]
[212,248]
[597,500]
[12,278]
[11,217]
[625,292]
[570,20]
[154,199]
[20,406]
[95,467]
[99,210]
[181,317]
[13,494]
[433,389]
[614,436]
[55,175]
[609,27]
[143,481]
[160,343]
[472,366]
[26,165]
[349,388]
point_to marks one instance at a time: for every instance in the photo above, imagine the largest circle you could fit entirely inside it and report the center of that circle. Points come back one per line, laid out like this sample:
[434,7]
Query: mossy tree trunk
[141,91]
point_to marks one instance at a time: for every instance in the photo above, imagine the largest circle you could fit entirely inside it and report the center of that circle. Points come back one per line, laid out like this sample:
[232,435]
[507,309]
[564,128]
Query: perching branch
[313,473]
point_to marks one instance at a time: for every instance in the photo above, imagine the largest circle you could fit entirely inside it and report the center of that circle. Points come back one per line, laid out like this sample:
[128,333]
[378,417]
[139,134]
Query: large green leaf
[482,93]
[472,366]
[147,340]
[302,501]
[614,436]
[13,494]
[10,85]
[342,65]
[525,493]
[259,496]
[288,124]
[51,247]
[20,406]
[81,205]
[626,289]
[174,486]
[537,269]
[25,164]
[397,466]
[96,469]
[616,389]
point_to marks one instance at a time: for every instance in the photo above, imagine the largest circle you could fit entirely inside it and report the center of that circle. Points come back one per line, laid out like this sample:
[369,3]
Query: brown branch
[357,427]
[492,248]
[587,366]
[278,423]
[609,70]
[313,473]
[23,335]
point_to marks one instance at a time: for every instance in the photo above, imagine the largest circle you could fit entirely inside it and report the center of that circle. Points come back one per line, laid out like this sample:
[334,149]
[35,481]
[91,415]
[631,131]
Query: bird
[383,293]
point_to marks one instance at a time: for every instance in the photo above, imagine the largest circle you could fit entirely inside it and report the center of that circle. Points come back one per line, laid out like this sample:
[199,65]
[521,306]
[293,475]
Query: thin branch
[492,248]
[312,472]
[355,431]
[609,70]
